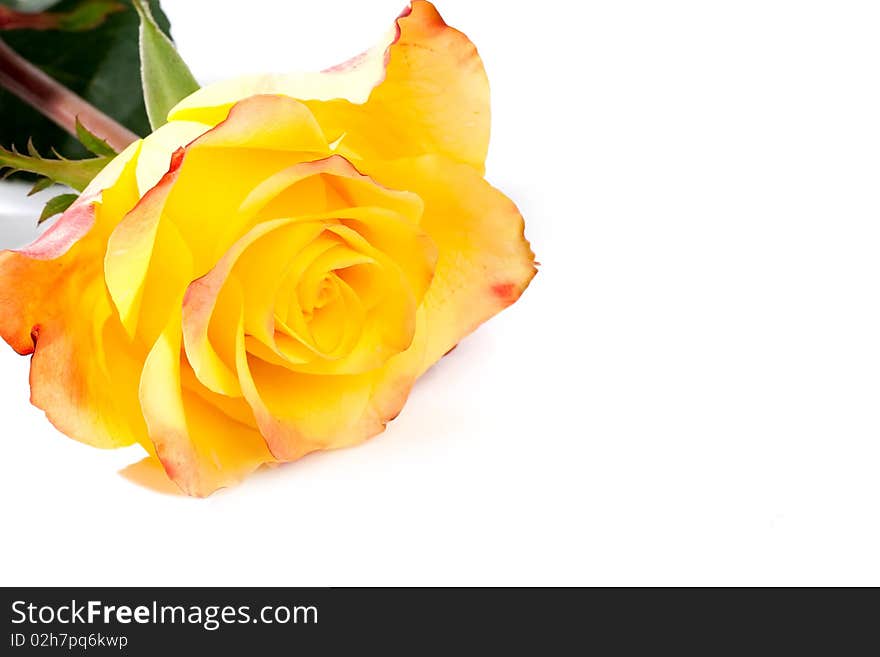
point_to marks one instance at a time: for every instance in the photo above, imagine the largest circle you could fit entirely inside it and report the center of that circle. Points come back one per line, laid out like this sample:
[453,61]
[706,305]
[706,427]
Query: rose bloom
[268,273]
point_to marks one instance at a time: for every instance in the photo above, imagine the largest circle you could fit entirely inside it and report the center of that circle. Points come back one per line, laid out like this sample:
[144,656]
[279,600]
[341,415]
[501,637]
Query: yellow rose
[267,274]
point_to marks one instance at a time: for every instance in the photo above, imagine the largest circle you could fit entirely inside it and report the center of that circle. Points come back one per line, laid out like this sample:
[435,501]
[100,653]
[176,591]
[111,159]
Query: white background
[687,394]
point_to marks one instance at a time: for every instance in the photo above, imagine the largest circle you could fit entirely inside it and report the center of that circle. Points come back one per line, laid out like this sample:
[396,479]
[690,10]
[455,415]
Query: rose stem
[57,102]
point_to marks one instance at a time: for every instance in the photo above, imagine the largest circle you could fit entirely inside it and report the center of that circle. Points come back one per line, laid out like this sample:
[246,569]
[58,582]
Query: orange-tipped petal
[201,447]
[422,90]
[485,263]
[42,289]
[434,98]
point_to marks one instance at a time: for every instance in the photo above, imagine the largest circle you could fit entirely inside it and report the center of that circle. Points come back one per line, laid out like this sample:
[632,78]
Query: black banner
[287,621]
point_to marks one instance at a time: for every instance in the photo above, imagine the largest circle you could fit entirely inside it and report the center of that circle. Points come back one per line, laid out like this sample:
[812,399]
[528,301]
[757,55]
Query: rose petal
[434,98]
[200,447]
[42,291]
[292,410]
[204,299]
[195,202]
[154,159]
[485,262]
[422,90]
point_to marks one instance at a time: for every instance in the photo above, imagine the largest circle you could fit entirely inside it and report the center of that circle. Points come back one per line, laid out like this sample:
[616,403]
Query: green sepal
[56,205]
[165,78]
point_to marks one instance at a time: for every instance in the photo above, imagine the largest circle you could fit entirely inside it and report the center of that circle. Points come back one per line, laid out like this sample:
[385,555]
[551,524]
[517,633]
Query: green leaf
[165,77]
[92,143]
[88,15]
[56,205]
[73,173]
[101,65]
